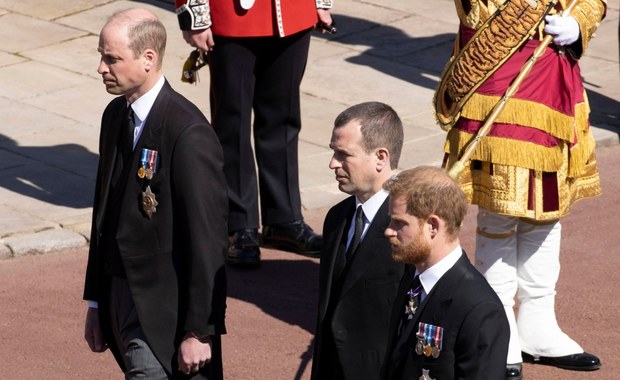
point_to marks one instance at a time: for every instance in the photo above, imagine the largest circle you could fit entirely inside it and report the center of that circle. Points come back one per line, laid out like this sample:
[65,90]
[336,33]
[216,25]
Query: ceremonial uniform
[257,64]
[536,161]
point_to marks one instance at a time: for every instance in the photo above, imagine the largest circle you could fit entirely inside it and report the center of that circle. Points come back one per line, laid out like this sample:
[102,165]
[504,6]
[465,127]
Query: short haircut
[380,126]
[427,191]
[145,31]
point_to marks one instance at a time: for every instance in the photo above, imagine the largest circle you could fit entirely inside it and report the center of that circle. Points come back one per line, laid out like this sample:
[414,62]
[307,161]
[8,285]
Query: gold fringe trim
[506,152]
[522,112]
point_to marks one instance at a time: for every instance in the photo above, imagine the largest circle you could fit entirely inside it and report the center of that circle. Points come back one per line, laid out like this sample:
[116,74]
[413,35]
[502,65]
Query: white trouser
[522,258]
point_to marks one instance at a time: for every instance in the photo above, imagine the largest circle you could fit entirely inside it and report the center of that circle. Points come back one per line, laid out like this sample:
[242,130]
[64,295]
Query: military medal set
[148,167]
[430,340]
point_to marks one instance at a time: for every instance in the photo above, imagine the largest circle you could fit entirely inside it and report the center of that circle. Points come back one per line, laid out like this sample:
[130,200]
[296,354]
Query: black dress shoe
[295,237]
[574,362]
[513,371]
[243,248]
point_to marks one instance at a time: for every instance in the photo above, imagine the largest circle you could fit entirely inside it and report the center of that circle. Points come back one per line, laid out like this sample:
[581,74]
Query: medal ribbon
[421,330]
[148,160]
[438,337]
[428,334]
[152,160]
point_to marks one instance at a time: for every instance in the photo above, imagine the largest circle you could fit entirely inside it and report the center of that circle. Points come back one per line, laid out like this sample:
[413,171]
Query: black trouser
[262,74]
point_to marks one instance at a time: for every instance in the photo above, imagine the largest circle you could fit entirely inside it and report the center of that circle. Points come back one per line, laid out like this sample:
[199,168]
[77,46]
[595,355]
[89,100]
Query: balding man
[155,279]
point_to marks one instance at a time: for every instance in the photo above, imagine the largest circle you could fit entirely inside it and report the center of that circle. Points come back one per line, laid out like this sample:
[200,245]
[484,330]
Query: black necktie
[128,131]
[357,234]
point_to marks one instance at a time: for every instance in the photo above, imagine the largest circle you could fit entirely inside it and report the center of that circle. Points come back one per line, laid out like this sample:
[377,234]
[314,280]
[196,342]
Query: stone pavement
[51,99]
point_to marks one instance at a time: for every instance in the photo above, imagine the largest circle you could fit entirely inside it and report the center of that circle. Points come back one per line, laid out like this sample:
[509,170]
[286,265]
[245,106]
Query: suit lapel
[108,152]
[366,251]
[334,243]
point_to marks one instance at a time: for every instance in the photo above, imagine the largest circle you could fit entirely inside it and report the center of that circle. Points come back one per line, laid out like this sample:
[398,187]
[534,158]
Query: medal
[427,350]
[437,342]
[148,164]
[412,303]
[419,347]
[425,375]
[149,203]
[421,335]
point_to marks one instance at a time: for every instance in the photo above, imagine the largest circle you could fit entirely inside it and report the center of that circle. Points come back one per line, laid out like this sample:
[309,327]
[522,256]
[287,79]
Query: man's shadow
[284,289]
[387,45]
[61,175]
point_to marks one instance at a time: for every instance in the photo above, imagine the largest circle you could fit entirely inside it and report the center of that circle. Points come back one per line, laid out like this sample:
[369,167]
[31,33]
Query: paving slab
[50,9]
[31,79]
[44,242]
[40,32]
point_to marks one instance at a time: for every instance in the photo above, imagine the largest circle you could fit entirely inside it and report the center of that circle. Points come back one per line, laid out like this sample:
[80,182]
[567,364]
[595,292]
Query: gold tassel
[193,63]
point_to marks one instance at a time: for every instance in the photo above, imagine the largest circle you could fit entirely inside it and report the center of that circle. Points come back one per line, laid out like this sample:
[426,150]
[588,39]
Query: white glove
[565,30]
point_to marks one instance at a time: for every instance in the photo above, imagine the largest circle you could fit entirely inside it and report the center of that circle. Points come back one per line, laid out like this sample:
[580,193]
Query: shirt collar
[373,204]
[142,106]
[432,275]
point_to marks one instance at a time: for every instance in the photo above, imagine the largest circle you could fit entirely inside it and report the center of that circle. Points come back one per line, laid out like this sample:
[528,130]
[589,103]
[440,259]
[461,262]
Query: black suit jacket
[174,261]
[475,329]
[359,315]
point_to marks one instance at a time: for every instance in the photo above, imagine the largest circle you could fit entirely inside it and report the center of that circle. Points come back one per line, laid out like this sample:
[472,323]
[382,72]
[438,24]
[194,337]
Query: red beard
[416,252]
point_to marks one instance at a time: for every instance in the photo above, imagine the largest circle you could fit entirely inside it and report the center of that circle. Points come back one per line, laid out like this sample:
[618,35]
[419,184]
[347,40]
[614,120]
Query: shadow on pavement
[425,55]
[604,111]
[286,290]
[62,175]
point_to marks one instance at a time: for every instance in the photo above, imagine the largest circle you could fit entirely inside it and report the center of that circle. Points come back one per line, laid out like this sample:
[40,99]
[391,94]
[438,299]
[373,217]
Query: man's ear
[433,223]
[383,159]
[150,59]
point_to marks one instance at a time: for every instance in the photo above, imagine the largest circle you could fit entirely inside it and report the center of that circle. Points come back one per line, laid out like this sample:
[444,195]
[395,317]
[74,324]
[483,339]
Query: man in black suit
[358,278]
[155,277]
[447,322]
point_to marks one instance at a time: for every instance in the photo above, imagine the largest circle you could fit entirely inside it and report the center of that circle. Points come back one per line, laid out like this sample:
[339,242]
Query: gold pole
[456,169]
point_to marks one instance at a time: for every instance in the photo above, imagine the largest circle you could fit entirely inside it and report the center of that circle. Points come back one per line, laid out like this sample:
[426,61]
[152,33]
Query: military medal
[427,349]
[148,164]
[430,340]
[425,374]
[419,347]
[437,342]
[421,336]
[412,303]
[149,203]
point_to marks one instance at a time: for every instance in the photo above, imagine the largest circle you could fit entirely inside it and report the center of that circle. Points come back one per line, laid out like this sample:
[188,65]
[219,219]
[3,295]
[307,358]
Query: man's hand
[201,39]
[193,354]
[92,331]
[565,30]
[325,20]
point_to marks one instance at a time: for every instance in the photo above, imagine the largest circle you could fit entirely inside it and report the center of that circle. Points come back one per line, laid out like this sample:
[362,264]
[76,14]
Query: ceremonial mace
[456,169]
